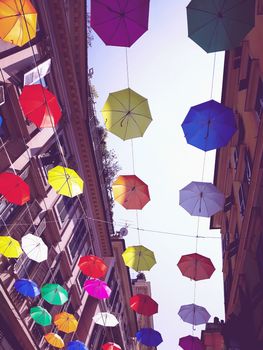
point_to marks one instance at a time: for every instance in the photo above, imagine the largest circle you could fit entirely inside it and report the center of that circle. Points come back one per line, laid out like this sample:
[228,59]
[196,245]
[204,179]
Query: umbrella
[149,337]
[54,294]
[66,322]
[27,287]
[65,181]
[14,189]
[97,289]
[41,316]
[92,266]
[40,106]
[126,114]
[105,319]
[119,23]
[18,21]
[196,266]
[54,340]
[191,343]
[194,314]
[34,247]
[111,346]
[220,25]
[209,125]
[143,304]
[130,191]
[76,345]
[10,247]
[139,258]
[201,199]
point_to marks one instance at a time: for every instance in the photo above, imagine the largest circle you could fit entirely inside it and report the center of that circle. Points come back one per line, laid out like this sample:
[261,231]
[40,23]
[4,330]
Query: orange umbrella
[131,192]
[18,21]
[66,322]
[54,340]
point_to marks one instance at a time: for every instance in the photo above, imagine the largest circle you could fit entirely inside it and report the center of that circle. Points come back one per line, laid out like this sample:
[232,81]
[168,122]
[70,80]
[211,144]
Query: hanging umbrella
[191,343]
[196,266]
[97,289]
[54,294]
[209,125]
[119,23]
[126,114]
[105,319]
[27,287]
[14,189]
[18,21]
[10,247]
[54,340]
[41,316]
[194,314]
[143,304]
[92,266]
[130,191]
[201,199]
[149,337]
[40,106]
[139,258]
[76,345]
[111,346]
[220,25]
[34,247]
[66,322]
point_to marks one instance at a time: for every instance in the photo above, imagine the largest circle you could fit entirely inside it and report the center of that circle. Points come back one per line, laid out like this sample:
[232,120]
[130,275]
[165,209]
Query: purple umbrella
[194,314]
[191,343]
[120,22]
[97,288]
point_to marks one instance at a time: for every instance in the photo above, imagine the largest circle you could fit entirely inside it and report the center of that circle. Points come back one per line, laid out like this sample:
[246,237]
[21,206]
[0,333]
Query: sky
[173,73]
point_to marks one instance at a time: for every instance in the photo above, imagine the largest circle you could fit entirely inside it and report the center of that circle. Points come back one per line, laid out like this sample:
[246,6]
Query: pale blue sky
[174,73]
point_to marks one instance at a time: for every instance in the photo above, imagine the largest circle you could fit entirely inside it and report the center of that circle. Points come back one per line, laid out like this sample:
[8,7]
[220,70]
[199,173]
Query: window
[229,201]
[242,200]
[37,74]
[81,279]
[51,158]
[8,212]
[64,206]
[259,98]
[77,240]
[236,156]
[243,84]
[237,57]
[248,168]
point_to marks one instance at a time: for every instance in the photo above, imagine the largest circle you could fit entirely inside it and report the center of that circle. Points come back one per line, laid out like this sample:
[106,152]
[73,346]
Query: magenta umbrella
[191,343]
[97,288]
[119,22]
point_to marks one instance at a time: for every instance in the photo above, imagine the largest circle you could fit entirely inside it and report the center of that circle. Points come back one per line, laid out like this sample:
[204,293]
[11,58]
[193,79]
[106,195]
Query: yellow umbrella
[65,181]
[55,340]
[139,258]
[126,114]
[10,247]
[18,21]
[66,322]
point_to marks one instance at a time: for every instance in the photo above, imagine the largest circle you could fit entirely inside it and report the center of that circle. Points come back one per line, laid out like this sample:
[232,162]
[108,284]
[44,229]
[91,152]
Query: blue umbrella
[27,287]
[149,337]
[209,125]
[76,345]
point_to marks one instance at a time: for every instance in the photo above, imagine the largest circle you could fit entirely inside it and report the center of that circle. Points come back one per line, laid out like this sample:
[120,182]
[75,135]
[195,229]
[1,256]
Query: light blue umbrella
[194,314]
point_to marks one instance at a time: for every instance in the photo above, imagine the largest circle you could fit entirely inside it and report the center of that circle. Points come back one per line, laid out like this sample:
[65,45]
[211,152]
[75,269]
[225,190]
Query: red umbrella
[111,346]
[40,106]
[14,189]
[196,266]
[143,304]
[92,266]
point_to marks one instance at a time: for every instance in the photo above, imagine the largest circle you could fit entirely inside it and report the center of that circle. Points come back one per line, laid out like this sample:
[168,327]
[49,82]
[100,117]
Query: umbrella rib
[138,104]
[142,115]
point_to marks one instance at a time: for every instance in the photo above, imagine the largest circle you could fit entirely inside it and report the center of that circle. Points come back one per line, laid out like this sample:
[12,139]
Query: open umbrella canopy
[139,258]
[194,314]
[55,340]
[10,247]
[201,199]
[41,316]
[14,189]
[143,304]
[65,181]
[97,288]
[196,266]
[34,247]
[191,343]
[149,337]
[105,319]
[18,21]
[76,345]
[119,22]
[126,114]
[111,346]
[54,294]
[40,106]
[66,322]
[130,191]
[27,287]
[209,125]
[92,266]
[220,25]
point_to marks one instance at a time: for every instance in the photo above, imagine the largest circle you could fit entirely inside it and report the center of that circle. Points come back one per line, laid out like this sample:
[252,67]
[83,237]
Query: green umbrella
[41,315]
[54,294]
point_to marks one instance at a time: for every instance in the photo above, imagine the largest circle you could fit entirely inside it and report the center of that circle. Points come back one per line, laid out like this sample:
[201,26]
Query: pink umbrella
[191,343]
[97,288]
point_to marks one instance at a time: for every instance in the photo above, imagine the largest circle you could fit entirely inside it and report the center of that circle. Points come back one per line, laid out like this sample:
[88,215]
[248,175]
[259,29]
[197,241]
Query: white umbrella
[105,319]
[201,199]
[34,247]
